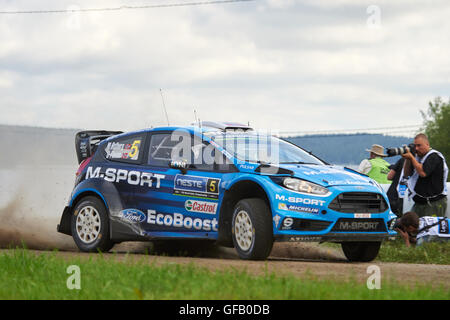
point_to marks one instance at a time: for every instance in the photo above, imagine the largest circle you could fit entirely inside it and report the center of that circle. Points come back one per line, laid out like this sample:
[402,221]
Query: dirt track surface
[311,261]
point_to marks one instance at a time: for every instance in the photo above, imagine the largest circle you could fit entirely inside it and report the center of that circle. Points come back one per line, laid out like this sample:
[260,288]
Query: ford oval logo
[132,215]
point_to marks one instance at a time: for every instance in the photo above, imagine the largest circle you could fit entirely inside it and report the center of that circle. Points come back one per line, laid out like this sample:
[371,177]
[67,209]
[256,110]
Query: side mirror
[181,165]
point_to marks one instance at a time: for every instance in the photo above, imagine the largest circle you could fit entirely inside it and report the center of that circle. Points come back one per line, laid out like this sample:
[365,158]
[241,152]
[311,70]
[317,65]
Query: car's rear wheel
[361,251]
[90,226]
[252,229]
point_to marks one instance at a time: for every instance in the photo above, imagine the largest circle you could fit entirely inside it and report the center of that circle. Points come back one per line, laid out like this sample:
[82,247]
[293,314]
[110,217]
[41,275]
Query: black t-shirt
[397,167]
[433,184]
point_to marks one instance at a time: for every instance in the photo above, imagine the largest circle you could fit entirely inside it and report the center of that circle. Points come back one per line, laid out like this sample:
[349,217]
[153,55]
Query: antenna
[196,119]
[164,105]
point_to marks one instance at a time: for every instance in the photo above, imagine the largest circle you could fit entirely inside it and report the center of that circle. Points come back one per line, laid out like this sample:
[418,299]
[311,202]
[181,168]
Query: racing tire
[251,229]
[90,226]
[361,251]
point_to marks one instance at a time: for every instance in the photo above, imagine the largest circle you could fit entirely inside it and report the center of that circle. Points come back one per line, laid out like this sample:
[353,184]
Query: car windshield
[263,149]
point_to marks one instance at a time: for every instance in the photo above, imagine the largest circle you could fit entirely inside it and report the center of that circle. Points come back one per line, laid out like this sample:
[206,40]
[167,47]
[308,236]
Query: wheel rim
[243,230]
[88,224]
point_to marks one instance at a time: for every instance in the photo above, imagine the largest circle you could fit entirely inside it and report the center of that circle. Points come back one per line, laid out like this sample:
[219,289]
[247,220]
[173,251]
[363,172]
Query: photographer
[376,167]
[427,172]
[420,230]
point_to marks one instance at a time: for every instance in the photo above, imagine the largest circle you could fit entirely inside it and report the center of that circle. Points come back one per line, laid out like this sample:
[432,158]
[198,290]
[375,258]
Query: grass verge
[428,253]
[396,251]
[26,275]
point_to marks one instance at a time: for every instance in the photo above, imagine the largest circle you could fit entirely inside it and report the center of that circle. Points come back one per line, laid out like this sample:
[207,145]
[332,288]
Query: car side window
[199,154]
[202,156]
[163,148]
[223,164]
[207,158]
[125,149]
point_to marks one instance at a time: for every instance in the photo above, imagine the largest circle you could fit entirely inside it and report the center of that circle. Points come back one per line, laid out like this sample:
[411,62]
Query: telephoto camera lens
[392,152]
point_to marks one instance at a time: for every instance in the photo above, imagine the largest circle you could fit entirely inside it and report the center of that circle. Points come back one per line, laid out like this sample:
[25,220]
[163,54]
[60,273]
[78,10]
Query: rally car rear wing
[86,142]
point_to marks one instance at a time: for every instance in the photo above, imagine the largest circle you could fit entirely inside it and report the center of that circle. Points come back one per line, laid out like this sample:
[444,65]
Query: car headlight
[304,186]
[392,221]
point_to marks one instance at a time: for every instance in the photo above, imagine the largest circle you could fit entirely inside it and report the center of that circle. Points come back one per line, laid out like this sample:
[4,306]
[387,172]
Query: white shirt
[440,230]
[365,166]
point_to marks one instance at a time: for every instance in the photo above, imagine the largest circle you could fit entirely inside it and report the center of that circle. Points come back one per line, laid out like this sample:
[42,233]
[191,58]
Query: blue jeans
[431,238]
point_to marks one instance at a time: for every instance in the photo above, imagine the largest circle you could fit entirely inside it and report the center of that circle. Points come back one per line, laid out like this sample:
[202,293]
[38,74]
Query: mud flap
[64,225]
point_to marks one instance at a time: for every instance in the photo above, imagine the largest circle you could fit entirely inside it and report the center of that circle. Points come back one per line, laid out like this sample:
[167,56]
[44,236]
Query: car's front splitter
[334,237]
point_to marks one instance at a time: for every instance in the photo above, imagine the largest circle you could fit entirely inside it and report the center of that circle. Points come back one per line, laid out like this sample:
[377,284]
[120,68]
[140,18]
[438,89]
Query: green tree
[437,126]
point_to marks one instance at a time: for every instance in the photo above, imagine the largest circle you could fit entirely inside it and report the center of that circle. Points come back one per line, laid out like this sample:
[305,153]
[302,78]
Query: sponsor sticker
[177,220]
[443,226]
[132,177]
[350,182]
[195,186]
[357,226]
[287,223]
[363,215]
[116,150]
[247,167]
[350,225]
[307,201]
[319,172]
[200,206]
[132,215]
[305,238]
[276,219]
[291,207]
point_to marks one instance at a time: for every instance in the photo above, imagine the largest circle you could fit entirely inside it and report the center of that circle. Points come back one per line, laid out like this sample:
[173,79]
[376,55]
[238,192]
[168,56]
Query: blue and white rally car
[223,182]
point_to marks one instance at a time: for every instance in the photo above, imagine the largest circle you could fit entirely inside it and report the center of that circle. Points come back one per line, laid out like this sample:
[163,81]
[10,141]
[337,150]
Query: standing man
[427,172]
[376,167]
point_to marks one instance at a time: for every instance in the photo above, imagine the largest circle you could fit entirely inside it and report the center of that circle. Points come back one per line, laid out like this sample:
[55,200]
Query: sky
[283,65]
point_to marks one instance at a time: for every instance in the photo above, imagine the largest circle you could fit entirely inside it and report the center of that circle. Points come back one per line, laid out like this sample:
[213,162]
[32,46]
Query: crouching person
[415,230]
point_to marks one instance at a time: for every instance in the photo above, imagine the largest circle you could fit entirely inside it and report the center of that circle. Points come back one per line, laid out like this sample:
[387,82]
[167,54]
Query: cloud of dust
[31,206]
[36,179]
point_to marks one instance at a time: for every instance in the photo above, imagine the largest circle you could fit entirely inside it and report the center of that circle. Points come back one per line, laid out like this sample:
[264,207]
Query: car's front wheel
[361,251]
[90,226]
[252,231]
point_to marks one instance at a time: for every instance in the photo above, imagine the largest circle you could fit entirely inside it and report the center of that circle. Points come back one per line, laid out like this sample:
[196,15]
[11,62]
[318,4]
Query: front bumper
[299,217]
